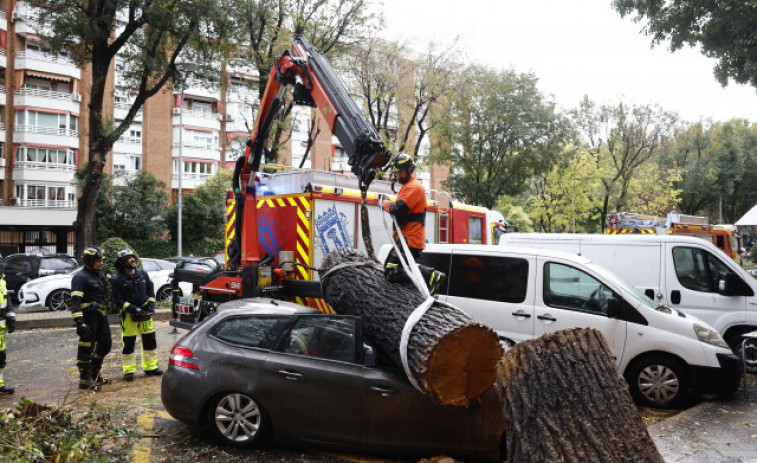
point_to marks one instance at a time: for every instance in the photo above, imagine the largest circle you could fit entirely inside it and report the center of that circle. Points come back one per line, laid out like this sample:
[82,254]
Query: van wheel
[657,381]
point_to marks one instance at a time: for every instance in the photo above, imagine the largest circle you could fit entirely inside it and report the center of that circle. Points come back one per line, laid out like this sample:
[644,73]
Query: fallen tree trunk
[564,400]
[452,358]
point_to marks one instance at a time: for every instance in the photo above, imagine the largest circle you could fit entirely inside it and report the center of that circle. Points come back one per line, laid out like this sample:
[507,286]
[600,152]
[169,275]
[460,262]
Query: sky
[574,48]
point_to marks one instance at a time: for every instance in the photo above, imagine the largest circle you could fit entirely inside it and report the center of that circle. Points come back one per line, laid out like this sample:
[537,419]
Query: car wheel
[657,381]
[237,419]
[60,299]
[164,293]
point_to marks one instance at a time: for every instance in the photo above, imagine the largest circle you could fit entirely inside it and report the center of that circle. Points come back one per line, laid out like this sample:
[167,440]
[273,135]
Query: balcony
[201,119]
[3,21]
[3,58]
[120,109]
[42,203]
[60,101]
[202,89]
[28,21]
[194,150]
[189,181]
[47,172]
[47,63]
[128,145]
[46,136]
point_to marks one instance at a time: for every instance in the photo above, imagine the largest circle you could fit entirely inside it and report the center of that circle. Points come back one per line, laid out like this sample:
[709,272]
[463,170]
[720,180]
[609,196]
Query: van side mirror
[369,356]
[731,285]
[612,307]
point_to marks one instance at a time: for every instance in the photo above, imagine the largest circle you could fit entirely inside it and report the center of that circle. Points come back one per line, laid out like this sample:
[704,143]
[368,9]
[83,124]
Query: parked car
[526,292]
[260,369]
[54,292]
[21,268]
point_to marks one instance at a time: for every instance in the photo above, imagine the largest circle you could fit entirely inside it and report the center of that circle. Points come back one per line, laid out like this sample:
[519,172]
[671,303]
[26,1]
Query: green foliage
[132,211]
[162,248]
[499,133]
[37,433]
[723,30]
[203,212]
[111,247]
[515,213]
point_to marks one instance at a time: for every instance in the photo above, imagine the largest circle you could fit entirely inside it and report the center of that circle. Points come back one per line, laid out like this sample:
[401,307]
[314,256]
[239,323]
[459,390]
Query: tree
[204,209]
[133,211]
[724,30]
[623,139]
[152,34]
[499,131]
[399,93]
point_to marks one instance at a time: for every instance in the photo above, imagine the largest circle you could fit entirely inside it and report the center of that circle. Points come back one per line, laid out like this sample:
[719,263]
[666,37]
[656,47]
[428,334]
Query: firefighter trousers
[93,349]
[129,331]
[395,273]
[2,352]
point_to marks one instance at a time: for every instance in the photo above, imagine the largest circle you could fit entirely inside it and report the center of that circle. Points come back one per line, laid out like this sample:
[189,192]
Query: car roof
[264,306]
[510,249]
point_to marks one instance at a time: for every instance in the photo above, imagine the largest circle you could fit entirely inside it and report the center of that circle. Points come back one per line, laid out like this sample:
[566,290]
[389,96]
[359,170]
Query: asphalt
[719,430]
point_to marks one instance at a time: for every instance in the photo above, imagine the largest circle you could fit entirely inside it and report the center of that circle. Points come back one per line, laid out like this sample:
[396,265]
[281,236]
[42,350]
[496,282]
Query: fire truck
[280,226]
[725,237]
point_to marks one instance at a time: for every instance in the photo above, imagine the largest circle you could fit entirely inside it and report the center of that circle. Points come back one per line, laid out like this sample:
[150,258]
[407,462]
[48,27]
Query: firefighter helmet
[122,256]
[402,161]
[91,255]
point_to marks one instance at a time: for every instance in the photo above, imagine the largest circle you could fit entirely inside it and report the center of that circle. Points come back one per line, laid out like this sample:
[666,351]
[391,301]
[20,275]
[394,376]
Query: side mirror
[612,307]
[727,284]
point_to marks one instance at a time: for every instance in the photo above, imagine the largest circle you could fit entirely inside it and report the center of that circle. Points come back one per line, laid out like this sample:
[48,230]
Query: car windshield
[628,287]
[59,263]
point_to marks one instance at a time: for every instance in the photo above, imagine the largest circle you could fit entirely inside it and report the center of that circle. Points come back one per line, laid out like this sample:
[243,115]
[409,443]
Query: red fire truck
[725,237]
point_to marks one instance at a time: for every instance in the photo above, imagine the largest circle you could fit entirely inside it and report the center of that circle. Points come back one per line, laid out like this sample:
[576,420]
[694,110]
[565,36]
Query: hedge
[160,249]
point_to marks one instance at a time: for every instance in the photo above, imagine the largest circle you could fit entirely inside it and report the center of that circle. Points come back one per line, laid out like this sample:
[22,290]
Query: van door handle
[675,296]
[547,317]
[521,314]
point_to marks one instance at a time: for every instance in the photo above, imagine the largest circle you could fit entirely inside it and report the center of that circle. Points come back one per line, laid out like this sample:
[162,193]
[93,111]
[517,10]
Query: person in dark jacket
[88,310]
[134,293]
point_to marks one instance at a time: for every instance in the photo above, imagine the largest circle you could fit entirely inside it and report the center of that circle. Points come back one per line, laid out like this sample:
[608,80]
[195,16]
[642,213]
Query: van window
[475,230]
[567,287]
[720,242]
[492,278]
[697,269]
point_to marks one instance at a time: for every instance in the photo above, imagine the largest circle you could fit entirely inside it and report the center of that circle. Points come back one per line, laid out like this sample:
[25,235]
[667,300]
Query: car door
[570,297]
[402,420]
[494,289]
[314,382]
[691,284]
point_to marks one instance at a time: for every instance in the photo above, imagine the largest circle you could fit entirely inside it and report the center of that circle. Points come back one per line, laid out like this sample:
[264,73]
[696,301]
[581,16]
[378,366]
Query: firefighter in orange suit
[410,211]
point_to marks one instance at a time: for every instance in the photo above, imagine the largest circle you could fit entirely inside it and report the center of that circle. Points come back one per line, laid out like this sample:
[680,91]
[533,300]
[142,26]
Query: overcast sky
[575,48]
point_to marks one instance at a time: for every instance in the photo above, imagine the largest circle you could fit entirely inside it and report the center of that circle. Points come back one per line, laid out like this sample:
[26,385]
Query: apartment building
[181,137]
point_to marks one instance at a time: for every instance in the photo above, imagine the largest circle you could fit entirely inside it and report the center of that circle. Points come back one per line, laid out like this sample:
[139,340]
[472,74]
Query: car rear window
[259,331]
[58,263]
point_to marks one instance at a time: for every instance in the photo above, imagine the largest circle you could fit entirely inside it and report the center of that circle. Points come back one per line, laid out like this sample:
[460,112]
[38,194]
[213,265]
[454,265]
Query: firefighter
[410,211]
[88,311]
[134,293]
[7,325]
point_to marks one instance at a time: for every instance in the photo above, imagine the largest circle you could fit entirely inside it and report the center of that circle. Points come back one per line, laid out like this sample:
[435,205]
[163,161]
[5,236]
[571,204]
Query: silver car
[262,369]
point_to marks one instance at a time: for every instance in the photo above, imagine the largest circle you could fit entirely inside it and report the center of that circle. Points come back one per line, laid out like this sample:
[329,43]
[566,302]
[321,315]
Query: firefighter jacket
[6,305]
[87,292]
[410,212]
[136,289]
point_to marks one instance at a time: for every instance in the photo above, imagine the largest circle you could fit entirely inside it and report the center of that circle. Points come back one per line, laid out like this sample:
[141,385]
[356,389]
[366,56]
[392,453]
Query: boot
[99,379]
[6,390]
[85,377]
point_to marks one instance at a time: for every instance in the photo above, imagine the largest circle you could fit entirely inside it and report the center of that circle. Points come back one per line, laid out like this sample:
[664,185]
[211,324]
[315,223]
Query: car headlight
[709,336]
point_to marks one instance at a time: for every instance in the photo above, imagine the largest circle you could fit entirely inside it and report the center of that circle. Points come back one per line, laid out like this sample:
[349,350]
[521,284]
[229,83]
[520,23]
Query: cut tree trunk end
[564,400]
[451,357]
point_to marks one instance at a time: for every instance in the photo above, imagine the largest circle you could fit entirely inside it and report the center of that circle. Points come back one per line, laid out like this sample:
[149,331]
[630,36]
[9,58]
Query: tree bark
[452,358]
[564,400]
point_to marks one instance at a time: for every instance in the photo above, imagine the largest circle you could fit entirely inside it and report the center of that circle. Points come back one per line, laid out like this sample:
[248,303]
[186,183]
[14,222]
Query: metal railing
[2,52]
[40,165]
[201,114]
[203,146]
[192,176]
[43,56]
[42,202]
[26,91]
[130,140]
[46,130]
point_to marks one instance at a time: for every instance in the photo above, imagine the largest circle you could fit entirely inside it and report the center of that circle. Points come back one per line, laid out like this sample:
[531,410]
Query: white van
[681,272]
[524,293]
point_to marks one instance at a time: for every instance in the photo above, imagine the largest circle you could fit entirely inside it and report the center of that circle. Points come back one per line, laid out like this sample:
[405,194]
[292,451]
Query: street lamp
[181,167]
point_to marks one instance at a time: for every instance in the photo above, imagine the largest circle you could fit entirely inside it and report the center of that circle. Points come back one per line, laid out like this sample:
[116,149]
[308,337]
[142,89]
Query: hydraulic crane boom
[315,84]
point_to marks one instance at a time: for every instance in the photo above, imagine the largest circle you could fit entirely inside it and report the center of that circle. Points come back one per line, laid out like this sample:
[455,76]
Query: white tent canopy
[750,218]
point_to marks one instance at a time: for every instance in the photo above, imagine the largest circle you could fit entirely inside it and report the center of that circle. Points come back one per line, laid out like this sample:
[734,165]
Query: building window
[47,157]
